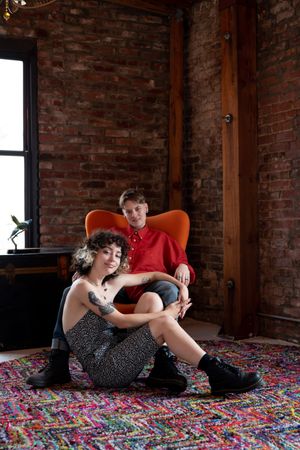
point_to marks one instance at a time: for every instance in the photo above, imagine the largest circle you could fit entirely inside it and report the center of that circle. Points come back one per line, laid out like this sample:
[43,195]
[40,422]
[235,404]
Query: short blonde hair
[131,194]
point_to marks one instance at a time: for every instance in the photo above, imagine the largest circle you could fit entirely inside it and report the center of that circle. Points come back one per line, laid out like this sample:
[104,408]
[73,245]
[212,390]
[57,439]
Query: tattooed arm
[146,277]
[110,313]
[82,298]
[149,277]
[103,309]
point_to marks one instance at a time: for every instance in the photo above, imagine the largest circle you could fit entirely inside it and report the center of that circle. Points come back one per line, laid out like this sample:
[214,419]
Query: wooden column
[176,111]
[239,135]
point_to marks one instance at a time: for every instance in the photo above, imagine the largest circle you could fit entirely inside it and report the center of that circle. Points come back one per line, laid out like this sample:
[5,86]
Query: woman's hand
[174,309]
[75,277]
[179,308]
[185,305]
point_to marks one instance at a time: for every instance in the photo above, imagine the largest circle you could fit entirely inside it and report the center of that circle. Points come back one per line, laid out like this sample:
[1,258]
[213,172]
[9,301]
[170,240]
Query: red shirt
[153,250]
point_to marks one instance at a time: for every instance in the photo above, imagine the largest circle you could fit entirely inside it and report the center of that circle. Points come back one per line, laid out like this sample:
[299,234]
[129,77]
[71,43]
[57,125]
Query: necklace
[98,285]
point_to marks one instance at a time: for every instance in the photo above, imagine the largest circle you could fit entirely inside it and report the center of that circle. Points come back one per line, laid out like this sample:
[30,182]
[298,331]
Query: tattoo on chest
[103,309]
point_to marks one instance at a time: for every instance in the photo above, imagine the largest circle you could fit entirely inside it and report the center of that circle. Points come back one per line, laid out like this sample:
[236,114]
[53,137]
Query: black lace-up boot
[55,372]
[224,378]
[165,373]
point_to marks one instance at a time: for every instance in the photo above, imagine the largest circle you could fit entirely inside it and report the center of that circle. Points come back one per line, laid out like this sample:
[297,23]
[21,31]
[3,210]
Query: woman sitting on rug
[112,347]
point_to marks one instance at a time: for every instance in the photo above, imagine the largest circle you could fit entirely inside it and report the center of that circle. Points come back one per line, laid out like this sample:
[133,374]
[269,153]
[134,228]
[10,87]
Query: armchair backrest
[176,223]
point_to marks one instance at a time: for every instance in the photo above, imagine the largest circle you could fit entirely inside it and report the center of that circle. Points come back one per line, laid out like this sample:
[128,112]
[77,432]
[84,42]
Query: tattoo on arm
[103,309]
[145,280]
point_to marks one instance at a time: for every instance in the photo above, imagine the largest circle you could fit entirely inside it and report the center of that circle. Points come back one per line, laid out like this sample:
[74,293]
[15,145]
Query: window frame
[25,50]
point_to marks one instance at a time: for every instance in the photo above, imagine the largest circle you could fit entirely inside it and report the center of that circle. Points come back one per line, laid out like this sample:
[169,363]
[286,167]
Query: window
[18,141]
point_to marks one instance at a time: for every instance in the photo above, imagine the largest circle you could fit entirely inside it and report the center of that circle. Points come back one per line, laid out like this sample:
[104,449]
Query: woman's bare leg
[164,373]
[149,302]
[223,377]
[166,329]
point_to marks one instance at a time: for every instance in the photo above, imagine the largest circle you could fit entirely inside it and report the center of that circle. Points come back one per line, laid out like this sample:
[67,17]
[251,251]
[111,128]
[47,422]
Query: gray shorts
[167,291]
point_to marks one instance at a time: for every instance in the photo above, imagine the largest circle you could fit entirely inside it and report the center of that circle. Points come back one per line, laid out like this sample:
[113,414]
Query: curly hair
[84,256]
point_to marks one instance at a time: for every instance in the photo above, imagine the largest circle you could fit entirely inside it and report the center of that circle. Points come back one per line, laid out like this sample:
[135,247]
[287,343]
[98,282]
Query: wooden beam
[239,135]
[176,112]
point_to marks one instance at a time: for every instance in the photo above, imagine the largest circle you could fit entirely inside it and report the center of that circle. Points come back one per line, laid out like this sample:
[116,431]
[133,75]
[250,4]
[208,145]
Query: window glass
[12,199]
[11,105]
[18,141]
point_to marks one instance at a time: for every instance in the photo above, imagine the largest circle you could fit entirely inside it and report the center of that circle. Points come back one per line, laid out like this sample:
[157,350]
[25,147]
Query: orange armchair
[176,223]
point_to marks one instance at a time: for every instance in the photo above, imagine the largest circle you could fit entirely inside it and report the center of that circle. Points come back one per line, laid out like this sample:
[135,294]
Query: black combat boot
[165,374]
[224,378]
[55,372]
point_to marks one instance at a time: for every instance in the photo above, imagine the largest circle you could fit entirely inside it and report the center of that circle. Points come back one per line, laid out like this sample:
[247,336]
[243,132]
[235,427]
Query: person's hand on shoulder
[75,277]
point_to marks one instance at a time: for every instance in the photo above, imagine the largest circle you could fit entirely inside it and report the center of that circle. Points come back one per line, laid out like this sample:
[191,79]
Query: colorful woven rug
[78,416]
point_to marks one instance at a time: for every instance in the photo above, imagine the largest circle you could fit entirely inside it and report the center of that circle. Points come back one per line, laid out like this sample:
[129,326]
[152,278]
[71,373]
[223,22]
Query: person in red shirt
[150,250]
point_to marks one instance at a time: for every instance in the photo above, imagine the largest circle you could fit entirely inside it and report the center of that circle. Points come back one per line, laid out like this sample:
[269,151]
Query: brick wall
[103,74]
[278,64]
[203,158]
[103,123]
[278,84]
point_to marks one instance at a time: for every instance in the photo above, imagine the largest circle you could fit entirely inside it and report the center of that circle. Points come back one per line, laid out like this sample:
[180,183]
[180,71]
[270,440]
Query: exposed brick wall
[103,74]
[278,85]
[278,64]
[103,124]
[203,158]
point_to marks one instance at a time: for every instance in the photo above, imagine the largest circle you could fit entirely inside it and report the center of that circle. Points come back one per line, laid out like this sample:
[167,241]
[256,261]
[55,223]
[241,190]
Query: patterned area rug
[77,416]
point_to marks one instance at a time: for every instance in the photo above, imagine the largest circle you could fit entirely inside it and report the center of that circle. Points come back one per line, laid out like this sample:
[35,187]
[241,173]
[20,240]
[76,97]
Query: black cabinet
[31,285]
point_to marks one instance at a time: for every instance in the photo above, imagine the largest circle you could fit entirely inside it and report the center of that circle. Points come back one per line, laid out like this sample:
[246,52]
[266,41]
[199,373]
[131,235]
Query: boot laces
[53,360]
[223,365]
[165,361]
[164,352]
[46,368]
